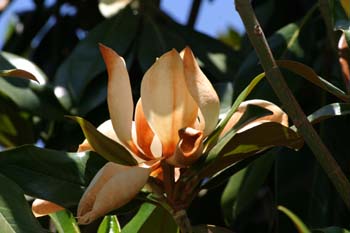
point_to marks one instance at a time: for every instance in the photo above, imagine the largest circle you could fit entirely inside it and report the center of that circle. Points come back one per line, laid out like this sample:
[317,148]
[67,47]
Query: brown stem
[182,221]
[293,109]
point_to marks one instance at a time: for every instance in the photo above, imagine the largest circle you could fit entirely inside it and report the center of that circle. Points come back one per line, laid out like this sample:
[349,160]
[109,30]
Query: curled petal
[202,91]
[120,103]
[278,115]
[115,192]
[42,207]
[101,178]
[189,149]
[166,101]
[105,128]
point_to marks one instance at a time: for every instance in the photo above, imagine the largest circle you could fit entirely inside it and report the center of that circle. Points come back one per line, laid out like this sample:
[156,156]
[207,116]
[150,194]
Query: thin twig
[194,13]
[293,109]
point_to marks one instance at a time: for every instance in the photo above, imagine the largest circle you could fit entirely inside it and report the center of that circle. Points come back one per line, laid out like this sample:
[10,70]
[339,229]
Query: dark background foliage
[67,52]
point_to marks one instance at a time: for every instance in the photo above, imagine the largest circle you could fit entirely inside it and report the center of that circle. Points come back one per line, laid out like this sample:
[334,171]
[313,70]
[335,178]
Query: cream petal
[166,101]
[42,207]
[101,178]
[278,115]
[116,192]
[144,133]
[202,91]
[189,149]
[119,99]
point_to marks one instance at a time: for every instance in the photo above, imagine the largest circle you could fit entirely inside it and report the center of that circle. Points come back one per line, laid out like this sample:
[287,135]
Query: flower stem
[293,109]
[182,221]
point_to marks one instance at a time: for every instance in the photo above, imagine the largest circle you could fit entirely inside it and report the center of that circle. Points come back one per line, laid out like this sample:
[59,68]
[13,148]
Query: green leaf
[25,68]
[85,62]
[15,215]
[65,222]
[243,186]
[16,127]
[52,175]
[301,227]
[242,96]
[151,218]
[249,142]
[162,41]
[252,113]
[310,75]
[340,19]
[329,111]
[210,229]
[106,147]
[261,137]
[331,230]
[37,99]
[109,224]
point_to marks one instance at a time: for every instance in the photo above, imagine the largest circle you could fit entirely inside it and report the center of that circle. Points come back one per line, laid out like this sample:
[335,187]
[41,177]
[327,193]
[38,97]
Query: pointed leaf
[106,147]
[262,137]
[331,230]
[25,68]
[329,111]
[309,74]
[15,215]
[242,96]
[65,222]
[109,224]
[252,113]
[301,227]
[242,187]
[18,73]
[151,218]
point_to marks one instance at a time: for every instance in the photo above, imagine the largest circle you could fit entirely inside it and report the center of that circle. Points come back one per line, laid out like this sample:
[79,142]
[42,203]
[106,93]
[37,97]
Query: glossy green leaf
[329,111]
[25,68]
[52,175]
[252,141]
[85,62]
[243,186]
[163,41]
[243,95]
[310,75]
[301,227]
[106,147]
[16,127]
[210,229]
[252,113]
[151,218]
[261,137]
[15,214]
[222,176]
[331,230]
[109,224]
[65,222]
[37,99]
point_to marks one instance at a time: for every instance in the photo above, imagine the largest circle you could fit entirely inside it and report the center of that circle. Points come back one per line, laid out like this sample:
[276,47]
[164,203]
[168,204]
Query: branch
[293,109]
[194,13]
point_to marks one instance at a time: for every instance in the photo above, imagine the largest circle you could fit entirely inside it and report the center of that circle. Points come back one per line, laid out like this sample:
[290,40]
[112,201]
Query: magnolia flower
[177,110]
